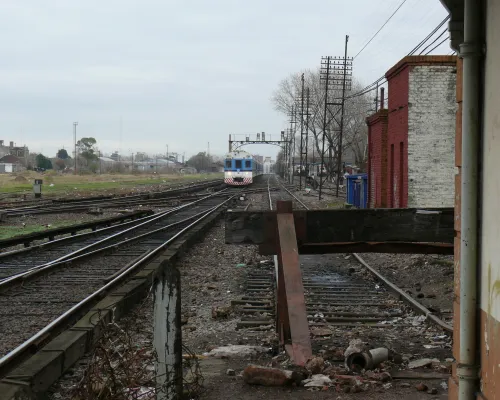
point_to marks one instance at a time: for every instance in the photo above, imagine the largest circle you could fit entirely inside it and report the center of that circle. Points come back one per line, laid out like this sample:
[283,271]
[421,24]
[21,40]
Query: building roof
[420,61]
[10,159]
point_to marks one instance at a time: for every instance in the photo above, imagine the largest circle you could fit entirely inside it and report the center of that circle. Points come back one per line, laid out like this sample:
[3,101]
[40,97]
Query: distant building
[10,163]
[21,152]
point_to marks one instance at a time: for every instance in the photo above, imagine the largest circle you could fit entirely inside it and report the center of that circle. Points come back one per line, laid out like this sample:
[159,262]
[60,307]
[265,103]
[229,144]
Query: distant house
[10,163]
[21,152]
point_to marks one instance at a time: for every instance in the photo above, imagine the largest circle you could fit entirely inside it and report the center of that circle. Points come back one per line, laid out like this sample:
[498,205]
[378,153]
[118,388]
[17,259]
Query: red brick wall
[377,159]
[397,137]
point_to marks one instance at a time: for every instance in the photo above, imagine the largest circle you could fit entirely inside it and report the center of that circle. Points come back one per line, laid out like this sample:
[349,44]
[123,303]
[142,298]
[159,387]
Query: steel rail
[66,257]
[56,324]
[37,271]
[99,202]
[417,306]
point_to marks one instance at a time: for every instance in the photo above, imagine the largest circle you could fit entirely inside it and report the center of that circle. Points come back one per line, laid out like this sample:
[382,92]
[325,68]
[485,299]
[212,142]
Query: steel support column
[291,308]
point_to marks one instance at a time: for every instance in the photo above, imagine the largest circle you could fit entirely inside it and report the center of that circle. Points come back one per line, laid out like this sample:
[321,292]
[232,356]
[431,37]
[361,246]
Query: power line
[439,44]
[380,81]
[429,35]
[434,41]
[376,33]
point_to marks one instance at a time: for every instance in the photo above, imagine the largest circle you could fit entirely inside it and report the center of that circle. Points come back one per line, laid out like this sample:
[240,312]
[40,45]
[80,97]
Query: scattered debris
[317,380]
[315,365]
[219,312]
[265,376]
[230,372]
[236,351]
[421,387]
[319,331]
[432,391]
[423,362]
[365,360]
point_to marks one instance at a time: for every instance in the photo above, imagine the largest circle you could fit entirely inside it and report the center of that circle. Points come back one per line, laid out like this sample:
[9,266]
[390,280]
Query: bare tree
[357,108]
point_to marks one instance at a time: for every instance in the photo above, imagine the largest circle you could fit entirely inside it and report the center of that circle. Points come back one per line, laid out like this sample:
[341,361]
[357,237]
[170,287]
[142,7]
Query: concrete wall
[431,135]
[490,216]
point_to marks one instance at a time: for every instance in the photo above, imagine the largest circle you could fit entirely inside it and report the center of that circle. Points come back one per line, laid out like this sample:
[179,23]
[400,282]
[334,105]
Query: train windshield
[228,163]
[237,163]
[248,164]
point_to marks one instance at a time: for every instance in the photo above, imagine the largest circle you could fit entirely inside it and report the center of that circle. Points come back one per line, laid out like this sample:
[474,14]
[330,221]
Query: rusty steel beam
[425,231]
[290,288]
[376,247]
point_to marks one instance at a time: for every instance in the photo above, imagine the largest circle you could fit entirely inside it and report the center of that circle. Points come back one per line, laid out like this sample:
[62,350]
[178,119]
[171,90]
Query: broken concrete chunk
[265,376]
[236,351]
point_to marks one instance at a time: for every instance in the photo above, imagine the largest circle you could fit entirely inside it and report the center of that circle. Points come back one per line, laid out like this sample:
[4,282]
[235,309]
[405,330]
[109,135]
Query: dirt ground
[211,277]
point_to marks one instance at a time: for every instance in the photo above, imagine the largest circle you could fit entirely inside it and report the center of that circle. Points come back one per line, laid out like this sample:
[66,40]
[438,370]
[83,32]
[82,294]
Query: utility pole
[208,159]
[100,163]
[339,153]
[74,140]
[337,74]
[307,138]
[291,145]
[325,75]
[301,131]
[132,162]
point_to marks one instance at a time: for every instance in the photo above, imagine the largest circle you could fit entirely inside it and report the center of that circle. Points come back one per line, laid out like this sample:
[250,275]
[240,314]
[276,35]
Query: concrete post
[167,338]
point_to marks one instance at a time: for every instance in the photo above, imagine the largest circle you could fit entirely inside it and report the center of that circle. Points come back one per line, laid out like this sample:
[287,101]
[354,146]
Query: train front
[238,168]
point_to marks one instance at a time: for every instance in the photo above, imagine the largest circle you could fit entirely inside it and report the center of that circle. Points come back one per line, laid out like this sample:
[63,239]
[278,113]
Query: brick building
[377,160]
[21,152]
[410,142]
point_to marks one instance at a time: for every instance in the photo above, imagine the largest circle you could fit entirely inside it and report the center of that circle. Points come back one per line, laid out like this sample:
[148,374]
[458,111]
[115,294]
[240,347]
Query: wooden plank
[346,226]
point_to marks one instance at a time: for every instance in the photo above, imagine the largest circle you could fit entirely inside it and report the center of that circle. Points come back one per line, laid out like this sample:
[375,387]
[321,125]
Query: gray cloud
[178,72]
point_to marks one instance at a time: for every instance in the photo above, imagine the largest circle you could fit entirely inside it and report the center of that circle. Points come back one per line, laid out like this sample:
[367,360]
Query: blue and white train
[240,168]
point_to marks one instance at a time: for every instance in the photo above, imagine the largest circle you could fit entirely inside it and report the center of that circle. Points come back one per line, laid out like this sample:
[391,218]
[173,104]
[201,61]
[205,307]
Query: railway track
[16,263]
[337,289]
[39,299]
[83,205]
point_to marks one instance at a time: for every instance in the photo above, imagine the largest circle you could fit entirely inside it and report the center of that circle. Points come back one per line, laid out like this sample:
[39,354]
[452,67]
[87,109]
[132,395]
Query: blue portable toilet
[357,190]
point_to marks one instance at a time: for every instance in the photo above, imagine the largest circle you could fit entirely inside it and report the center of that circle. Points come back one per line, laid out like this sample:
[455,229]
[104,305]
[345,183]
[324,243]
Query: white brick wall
[431,136]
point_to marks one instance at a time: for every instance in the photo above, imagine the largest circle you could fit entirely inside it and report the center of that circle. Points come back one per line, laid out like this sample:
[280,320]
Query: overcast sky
[181,73]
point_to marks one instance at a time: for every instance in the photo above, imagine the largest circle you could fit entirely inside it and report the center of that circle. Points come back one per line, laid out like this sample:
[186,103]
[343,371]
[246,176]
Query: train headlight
[229,173]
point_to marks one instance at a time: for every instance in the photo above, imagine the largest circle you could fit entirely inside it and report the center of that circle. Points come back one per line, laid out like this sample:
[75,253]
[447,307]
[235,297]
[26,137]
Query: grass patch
[12,231]
[87,183]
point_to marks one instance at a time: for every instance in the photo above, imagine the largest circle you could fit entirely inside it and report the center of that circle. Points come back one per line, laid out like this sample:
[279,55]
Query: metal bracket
[291,311]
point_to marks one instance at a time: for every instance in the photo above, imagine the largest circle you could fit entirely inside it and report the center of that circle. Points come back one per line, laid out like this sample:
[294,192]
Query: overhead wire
[439,44]
[376,33]
[382,80]
[434,41]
